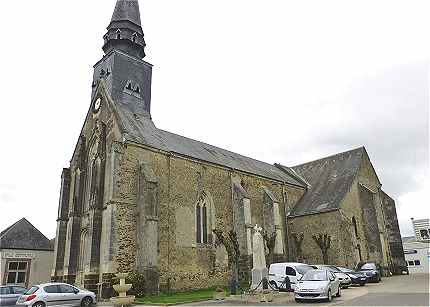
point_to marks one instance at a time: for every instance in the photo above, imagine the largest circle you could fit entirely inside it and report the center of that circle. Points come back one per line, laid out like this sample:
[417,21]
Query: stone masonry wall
[310,225]
[183,263]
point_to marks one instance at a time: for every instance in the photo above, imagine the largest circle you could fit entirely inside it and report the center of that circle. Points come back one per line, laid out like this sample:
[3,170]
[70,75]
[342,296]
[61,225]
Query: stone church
[136,198]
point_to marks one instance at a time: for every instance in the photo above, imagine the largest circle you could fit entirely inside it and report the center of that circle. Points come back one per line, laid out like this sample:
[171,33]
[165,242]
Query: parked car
[316,285]
[9,294]
[371,270]
[357,278]
[293,270]
[50,294]
[344,279]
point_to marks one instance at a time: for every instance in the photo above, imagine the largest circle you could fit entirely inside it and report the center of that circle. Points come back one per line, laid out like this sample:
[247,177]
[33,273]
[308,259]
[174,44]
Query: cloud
[7,192]
[413,205]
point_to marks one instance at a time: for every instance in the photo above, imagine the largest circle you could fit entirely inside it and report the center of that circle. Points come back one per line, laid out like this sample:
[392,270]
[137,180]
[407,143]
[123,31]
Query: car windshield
[31,290]
[302,269]
[315,275]
[368,266]
[329,268]
[345,270]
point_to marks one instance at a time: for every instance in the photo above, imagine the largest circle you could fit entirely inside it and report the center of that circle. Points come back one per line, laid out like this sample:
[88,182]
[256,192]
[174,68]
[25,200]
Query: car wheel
[338,294]
[361,285]
[329,297]
[86,301]
[274,285]
[39,304]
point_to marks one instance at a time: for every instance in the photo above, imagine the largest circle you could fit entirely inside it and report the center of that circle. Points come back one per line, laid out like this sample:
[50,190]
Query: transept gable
[330,179]
[367,175]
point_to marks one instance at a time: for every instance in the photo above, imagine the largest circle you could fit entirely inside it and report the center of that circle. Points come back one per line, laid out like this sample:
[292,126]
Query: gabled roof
[329,180]
[23,235]
[137,127]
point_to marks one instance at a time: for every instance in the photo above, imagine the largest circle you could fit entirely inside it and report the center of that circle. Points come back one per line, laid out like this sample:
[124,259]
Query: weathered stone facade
[358,227]
[139,199]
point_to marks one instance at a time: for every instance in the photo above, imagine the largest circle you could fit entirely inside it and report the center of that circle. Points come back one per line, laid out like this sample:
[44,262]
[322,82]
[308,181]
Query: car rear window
[18,290]
[51,289]
[67,289]
[302,269]
[31,290]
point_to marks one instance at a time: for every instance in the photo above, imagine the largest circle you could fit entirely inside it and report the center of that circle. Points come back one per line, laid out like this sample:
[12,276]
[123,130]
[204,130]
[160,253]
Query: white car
[293,270]
[317,285]
[54,294]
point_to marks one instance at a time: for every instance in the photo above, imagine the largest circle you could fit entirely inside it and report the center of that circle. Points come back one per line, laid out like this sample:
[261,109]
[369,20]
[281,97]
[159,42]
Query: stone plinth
[257,277]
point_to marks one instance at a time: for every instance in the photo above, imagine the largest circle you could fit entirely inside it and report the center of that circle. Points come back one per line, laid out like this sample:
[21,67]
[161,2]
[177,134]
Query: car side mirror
[76,291]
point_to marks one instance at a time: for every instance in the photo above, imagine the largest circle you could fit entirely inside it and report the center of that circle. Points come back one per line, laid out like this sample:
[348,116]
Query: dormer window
[129,86]
[134,37]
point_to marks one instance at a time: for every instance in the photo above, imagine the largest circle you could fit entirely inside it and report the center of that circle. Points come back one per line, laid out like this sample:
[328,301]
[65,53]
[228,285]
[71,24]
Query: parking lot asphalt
[405,290]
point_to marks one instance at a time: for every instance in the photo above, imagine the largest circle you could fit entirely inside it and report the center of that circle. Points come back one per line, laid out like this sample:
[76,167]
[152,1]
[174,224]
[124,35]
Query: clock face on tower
[97,104]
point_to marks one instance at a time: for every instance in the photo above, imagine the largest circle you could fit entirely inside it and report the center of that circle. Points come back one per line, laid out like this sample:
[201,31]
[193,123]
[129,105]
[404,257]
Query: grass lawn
[177,298]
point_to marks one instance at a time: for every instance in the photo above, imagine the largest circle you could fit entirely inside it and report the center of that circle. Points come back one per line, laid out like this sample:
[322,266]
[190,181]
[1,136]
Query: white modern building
[421,229]
[417,248]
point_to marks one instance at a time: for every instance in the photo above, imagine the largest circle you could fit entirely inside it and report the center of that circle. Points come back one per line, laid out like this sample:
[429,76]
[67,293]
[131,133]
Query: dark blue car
[371,270]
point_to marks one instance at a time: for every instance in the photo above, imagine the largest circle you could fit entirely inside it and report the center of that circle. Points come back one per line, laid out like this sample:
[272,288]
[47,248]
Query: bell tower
[125,30]
[127,76]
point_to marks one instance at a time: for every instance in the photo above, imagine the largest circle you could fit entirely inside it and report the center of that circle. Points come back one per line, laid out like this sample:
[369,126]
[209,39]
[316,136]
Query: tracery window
[201,212]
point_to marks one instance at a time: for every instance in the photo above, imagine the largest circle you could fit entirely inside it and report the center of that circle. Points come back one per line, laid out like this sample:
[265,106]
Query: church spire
[125,31]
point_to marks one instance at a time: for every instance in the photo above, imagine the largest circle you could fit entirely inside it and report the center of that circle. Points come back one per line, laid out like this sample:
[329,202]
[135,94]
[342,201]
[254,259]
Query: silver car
[345,280]
[317,285]
[54,294]
[9,294]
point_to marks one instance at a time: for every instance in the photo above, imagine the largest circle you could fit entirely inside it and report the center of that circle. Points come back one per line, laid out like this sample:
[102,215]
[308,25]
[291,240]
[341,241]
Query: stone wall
[309,225]
[393,233]
[182,262]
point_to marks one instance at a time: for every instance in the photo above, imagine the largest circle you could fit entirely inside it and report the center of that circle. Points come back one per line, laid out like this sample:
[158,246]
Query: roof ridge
[5,231]
[290,171]
[331,156]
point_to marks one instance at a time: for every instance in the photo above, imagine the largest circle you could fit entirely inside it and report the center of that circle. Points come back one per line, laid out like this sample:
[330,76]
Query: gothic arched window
[202,214]
[77,191]
[354,223]
[82,250]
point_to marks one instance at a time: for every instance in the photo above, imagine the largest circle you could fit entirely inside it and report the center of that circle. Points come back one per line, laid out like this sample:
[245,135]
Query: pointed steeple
[125,31]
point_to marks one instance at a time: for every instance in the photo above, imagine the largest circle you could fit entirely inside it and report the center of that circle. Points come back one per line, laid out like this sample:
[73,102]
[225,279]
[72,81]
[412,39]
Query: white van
[294,271]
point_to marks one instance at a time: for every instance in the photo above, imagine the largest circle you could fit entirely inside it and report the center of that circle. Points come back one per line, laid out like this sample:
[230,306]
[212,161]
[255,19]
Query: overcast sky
[280,81]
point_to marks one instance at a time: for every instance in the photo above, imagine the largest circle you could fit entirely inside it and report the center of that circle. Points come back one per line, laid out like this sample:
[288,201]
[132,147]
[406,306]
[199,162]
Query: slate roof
[329,180]
[127,10]
[139,128]
[23,235]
